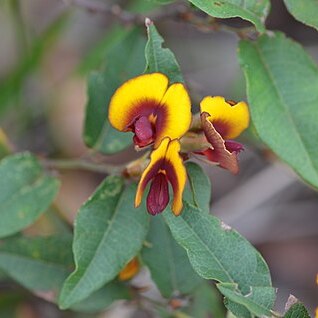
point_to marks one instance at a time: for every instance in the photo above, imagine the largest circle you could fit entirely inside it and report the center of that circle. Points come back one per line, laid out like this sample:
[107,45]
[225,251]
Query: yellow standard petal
[176,174]
[229,119]
[156,160]
[134,97]
[177,113]
[165,159]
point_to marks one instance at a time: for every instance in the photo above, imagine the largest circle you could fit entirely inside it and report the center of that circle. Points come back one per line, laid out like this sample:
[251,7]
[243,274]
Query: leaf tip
[148,22]
[292,300]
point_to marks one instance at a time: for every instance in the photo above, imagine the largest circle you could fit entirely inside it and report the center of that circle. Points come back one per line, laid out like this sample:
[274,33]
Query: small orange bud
[130,270]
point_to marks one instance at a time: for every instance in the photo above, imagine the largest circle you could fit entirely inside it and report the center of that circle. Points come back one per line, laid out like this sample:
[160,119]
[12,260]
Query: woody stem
[81,164]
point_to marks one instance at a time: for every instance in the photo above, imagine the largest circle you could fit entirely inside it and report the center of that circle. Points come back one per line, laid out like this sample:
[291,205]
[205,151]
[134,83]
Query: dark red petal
[233,146]
[221,127]
[144,133]
[158,196]
[210,155]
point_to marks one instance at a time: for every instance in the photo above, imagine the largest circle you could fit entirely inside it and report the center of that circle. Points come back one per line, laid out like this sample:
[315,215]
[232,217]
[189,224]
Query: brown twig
[81,164]
[124,16]
[109,9]
[176,11]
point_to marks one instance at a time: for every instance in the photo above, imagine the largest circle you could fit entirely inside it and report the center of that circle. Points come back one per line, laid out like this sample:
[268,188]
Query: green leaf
[108,233]
[167,261]
[99,134]
[236,310]
[305,11]
[124,60]
[160,59]
[207,302]
[12,84]
[38,263]
[95,58]
[103,298]
[198,191]
[218,252]
[282,89]
[254,11]
[25,192]
[297,310]
[259,300]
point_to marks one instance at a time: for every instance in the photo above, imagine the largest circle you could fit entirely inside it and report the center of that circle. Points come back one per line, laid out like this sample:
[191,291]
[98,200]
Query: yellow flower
[151,109]
[222,121]
[166,165]
[130,270]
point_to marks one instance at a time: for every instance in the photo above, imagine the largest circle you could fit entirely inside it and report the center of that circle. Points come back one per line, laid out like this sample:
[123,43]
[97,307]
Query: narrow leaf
[167,261]
[109,231]
[305,11]
[124,59]
[95,58]
[282,89]
[25,192]
[218,252]
[12,84]
[160,59]
[254,11]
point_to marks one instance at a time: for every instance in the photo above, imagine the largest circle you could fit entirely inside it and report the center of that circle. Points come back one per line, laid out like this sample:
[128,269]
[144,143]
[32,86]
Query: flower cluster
[160,116]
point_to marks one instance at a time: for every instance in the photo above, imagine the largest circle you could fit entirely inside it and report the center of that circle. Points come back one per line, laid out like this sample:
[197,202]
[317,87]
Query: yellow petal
[229,120]
[157,156]
[176,174]
[145,90]
[177,119]
[130,270]
[166,158]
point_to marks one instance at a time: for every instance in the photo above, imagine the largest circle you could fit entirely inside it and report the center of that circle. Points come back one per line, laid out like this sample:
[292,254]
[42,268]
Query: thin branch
[124,16]
[108,9]
[80,164]
[177,12]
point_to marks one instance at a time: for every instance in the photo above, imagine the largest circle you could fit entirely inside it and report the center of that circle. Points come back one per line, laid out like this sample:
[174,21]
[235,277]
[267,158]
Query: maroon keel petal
[233,146]
[144,133]
[158,196]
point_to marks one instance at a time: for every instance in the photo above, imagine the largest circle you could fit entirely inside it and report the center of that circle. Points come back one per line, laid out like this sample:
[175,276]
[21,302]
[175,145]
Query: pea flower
[151,109]
[130,270]
[223,121]
[166,165]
